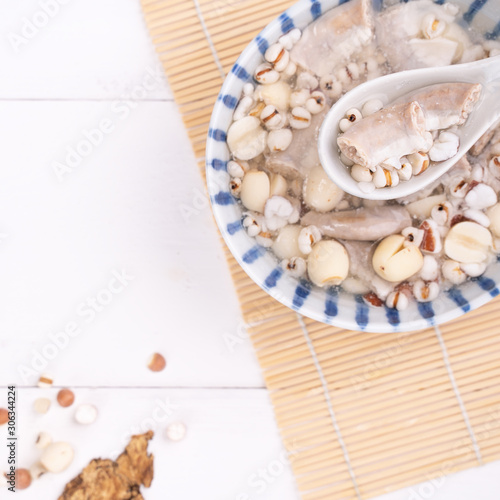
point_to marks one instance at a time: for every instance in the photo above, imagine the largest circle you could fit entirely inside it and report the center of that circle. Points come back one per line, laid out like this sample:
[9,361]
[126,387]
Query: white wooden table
[130,203]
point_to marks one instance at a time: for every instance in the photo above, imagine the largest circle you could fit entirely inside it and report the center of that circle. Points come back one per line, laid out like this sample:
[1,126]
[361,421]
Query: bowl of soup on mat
[367,265]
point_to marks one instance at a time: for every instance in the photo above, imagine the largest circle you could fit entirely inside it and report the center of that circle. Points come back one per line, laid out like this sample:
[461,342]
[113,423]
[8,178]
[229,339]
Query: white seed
[266,74]
[348,74]
[367,187]
[235,187]
[397,300]
[278,56]
[345,125]
[319,192]
[264,239]
[406,171]
[176,431]
[57,457]
[278,94]
[41,405]
[452,272]
[394,178]
[255,190]
[381,177]
[252,225]
[290,69]
[286,244]
[493,214]
[432,27]
[307,238]
[272,118]
[477,216]
[279,140]
[300,118]
[257,109]
[246,138]
[286,41]
[494,165]
[361,174]
[468,242]
[458,187]
[237,168]
[371,106]
[295,35]
[346,161]
[477,173]
[277,212]
[421,209]
[43,440]
[328,263]
[442,213]
[394,262]
[419,162]
[37,470]
[425,292]
[430,269]
[299,97]
[248,89]
[243,108]
[45,381]
[481,196]
[432,237]
[86,414]
[413,236]
[381,287]
[278,186]
[330,86]
[353,115]
[370,66]
[295,266]
[316,103]
[391,164]
[474,269]
[306,81]
[445,147]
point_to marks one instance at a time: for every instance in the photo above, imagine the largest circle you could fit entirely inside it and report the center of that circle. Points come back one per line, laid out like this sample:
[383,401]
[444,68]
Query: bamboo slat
[392,398]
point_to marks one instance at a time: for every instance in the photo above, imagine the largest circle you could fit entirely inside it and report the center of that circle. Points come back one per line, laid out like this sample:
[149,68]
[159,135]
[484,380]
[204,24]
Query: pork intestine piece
[397,31]
[362,224]
[446,104]
[334,38]
[302,154]
[392,132]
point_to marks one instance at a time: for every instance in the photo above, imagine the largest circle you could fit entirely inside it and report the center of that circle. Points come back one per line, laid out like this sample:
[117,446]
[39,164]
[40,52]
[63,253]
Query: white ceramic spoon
[389,88]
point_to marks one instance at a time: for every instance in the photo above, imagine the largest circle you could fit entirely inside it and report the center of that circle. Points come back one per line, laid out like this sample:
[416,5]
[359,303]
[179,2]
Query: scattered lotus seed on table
[408,250]
[157,362]
[57,457]
[45,381]
[23,479]
[65,397]
[86,414]
[41,405]
[176,431]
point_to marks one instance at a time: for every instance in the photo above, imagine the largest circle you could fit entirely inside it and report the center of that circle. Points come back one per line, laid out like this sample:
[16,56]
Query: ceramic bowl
[332,305]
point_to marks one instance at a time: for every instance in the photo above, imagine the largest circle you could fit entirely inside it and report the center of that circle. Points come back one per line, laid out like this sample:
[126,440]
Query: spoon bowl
[390,88]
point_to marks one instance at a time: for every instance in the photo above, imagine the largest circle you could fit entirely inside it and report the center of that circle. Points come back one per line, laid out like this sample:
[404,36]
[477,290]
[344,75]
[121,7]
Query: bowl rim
[274,28]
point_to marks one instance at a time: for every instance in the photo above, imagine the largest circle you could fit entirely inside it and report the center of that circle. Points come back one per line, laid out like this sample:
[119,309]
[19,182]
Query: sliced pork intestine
[362,224]
[392,132]
[446,104]
[302,154]
[398,29]
[334,38]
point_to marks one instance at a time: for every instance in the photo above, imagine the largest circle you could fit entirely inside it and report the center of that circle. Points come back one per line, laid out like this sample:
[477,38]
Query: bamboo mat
[360,414]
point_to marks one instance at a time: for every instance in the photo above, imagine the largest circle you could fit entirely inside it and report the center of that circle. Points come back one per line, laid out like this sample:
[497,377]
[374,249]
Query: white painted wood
[135,203]
[231,451]
[80,50]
